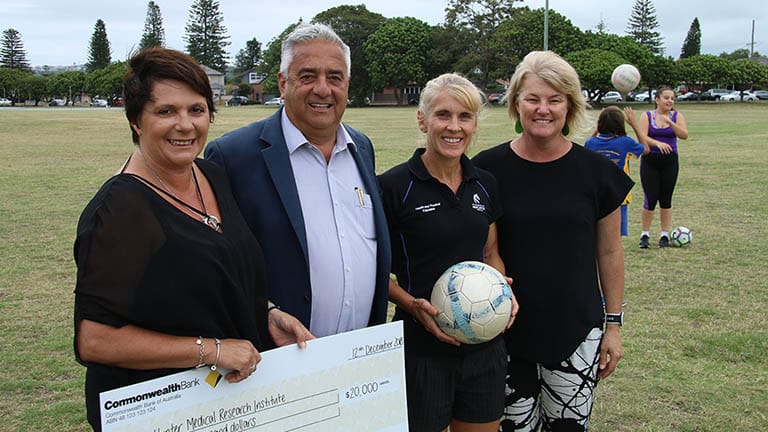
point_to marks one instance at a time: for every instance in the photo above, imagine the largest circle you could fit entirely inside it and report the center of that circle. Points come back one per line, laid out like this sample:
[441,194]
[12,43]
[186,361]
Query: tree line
[482,39]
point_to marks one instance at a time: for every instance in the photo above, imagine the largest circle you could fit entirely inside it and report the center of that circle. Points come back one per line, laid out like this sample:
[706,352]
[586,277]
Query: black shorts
[469,388]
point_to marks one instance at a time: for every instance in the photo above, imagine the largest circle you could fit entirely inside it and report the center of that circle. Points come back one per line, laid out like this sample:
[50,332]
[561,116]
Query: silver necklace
[208,219]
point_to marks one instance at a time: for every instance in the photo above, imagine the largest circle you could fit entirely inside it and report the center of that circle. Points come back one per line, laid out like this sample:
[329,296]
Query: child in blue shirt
[611,140]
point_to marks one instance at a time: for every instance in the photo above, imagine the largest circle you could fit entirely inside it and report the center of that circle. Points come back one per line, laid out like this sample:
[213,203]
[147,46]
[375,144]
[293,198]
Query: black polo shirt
[431,229]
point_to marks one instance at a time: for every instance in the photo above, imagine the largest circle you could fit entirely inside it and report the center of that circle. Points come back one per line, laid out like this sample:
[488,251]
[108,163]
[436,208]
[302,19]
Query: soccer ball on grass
[680,236]
[474,301]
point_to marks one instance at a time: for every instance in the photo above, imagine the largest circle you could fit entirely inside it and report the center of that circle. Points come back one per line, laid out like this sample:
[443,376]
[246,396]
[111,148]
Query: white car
[99,103]
[5,102]
[643,97]
[275,101]
[612,97]
[736,96]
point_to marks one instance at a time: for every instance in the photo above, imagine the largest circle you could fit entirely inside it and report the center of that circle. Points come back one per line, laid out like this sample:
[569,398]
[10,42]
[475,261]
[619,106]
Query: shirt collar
[294,138]
[416,166]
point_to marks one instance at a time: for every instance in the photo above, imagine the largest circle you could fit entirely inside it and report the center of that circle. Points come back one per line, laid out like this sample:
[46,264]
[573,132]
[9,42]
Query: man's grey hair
[307,33]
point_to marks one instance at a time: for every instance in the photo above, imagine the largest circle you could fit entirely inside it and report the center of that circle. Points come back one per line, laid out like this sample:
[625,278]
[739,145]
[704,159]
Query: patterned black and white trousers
[558,397]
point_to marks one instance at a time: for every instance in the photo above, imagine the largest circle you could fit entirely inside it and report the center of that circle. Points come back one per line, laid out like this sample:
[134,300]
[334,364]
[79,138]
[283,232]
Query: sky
[58,32]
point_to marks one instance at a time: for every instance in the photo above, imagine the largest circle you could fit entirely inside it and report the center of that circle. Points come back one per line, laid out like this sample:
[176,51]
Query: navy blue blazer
[256,160]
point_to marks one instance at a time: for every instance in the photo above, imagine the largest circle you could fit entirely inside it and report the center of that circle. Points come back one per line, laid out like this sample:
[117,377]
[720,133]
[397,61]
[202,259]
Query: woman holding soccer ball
[441,210]
[660,129]
[559,238]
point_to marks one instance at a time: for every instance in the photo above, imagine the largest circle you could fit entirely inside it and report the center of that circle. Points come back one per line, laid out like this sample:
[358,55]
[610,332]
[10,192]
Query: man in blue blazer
[306,185]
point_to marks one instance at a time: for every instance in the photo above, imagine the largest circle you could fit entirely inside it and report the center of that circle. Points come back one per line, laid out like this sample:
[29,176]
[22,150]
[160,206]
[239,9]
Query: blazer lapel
[278,164]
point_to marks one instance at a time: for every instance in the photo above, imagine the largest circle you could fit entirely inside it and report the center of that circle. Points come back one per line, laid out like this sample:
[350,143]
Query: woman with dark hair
[169,277]
[660,129]
[610,139]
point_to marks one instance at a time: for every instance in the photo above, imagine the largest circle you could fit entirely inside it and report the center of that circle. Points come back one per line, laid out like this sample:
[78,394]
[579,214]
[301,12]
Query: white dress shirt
[341,236]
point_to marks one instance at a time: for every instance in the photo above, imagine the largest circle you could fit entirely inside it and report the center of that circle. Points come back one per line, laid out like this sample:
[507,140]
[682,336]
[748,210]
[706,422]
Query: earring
[518,126]
[566,130]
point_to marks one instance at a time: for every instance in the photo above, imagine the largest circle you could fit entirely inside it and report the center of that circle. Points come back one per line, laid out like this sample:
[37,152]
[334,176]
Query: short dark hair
[611,121]
[154,64]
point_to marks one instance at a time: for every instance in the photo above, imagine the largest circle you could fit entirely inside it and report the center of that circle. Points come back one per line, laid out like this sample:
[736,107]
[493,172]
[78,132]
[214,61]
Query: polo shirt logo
[426,208]
[476,204]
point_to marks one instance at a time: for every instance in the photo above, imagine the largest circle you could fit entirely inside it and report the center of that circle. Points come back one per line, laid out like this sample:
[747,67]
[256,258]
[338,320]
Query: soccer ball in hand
[680,236]
[474,301]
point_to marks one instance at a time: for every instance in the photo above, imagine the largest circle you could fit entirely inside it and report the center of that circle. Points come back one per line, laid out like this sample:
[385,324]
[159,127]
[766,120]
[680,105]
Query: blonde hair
[558,74]
[457,87]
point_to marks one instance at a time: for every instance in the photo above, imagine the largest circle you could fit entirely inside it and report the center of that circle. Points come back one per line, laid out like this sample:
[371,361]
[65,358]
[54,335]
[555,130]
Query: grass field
[696,338]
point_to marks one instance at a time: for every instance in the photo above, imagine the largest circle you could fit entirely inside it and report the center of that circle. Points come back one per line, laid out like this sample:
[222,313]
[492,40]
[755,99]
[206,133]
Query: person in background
[610,139]
[441,210]
[559,240]
[168,275]
[307,188]
[660,130]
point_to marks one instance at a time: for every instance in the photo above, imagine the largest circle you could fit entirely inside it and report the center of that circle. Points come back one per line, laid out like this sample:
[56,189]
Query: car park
[5,102]
[738,96]
[611,97]
[275,101]
[761,94]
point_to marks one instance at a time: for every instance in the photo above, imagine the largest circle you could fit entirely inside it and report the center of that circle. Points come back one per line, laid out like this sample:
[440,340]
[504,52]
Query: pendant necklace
[208,219]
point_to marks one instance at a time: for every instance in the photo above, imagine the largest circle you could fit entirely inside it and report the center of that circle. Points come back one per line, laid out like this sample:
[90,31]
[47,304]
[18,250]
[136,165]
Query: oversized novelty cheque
[350,381]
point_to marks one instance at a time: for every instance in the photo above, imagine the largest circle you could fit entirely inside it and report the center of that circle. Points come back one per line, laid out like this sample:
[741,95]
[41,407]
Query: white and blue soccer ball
[474,301]
[681,236]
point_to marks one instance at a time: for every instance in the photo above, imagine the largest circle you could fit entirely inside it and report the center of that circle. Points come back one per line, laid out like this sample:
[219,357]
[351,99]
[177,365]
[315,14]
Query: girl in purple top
[659,130]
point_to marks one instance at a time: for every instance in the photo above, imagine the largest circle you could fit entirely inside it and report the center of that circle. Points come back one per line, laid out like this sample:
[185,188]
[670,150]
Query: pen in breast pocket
[360,196]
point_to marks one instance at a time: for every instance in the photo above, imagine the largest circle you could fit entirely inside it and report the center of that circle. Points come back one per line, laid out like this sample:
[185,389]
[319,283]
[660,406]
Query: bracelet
[218,352]
[271,306]
[200,341]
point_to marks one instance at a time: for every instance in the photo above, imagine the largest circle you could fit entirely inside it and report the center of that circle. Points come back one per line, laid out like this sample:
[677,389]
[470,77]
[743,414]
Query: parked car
[99,103]
[57,102]
[275,101]
[631,95]
[714,94]
[494,98]
[737,96]
[237,101]
[643,97]
[117,102]
[5,102]
[761,94]
[612,97]
[691,95]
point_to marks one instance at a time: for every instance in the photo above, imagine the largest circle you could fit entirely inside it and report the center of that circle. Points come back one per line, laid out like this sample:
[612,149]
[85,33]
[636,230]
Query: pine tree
[154,35]
[12,54]
[692,44]
[206,36]
[100,53]
[642,26]
[247,57]
[602,26]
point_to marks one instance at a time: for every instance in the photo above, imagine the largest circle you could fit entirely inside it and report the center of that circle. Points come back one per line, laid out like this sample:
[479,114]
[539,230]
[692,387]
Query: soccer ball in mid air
[474,301]
[680,236]
[625,78]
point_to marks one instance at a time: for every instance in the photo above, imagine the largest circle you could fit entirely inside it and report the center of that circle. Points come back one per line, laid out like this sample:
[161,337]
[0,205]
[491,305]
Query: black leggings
[658,174]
